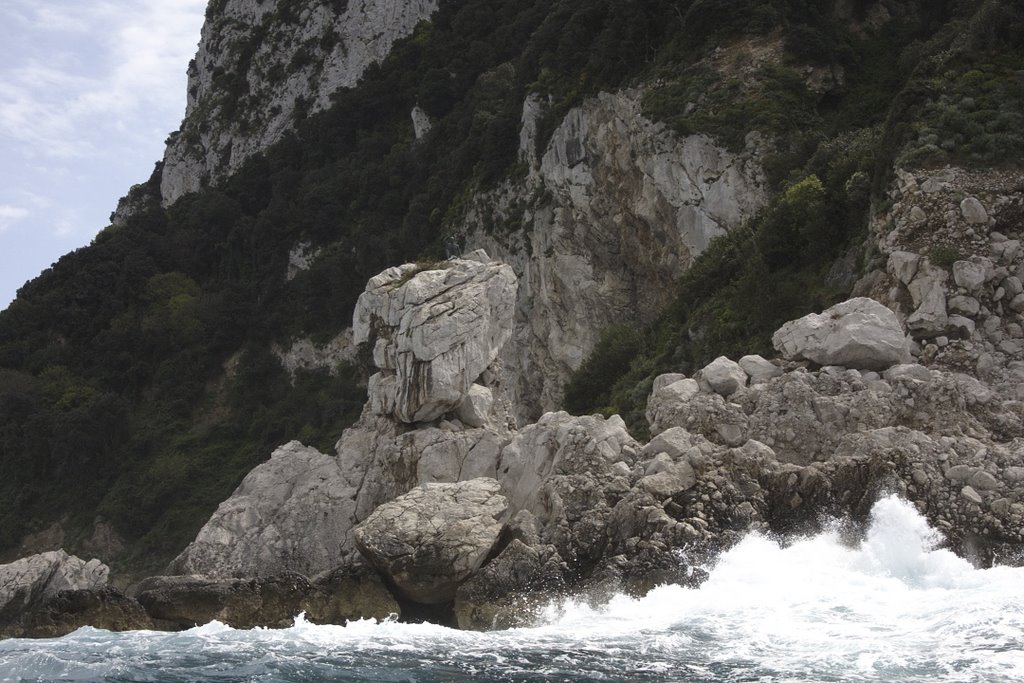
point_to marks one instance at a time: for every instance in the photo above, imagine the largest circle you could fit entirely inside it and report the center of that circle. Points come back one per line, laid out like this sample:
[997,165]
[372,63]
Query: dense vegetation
[136,377]
[944,84]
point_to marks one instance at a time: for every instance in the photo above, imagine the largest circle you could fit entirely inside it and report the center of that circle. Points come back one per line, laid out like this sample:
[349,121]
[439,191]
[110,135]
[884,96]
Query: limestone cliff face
[264,64]
[610,214]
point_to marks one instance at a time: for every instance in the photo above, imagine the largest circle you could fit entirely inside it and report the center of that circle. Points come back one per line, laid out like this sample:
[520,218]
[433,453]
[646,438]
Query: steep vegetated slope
[142,377]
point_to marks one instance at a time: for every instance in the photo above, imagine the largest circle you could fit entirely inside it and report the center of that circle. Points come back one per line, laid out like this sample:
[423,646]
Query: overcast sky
[89,91]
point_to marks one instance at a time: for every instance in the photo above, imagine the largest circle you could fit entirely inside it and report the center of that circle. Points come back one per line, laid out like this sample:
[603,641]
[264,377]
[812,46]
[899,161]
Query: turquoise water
[890,609]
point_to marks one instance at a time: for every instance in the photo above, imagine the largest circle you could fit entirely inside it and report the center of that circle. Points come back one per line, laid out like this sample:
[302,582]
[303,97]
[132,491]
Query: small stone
[971,495]
[983,481]
[1014,474]
[724,376]
[903,265]
[908,370]
[917,215]
[966,305]
[974,211]
[664,380]
[758,369]
[1000,506]
[476,407]
[959,473]
[969,275]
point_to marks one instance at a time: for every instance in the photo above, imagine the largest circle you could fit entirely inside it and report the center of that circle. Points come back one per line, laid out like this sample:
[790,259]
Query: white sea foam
[892,608]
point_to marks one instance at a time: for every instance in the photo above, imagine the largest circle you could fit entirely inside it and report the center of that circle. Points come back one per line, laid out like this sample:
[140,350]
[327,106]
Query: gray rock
[662,381]
[676,478]
[434,333]
[908,370]
[974,211]
[969,275]
[26,583]
[1006,252]
[476,407]
[582,268]
[675,442]
[964,304]
[983,481]
[758,369]
[511,590]
[903,265]
[431,539]
[971,495]
[724,376]
[292,513]
[858,333]
[930,319]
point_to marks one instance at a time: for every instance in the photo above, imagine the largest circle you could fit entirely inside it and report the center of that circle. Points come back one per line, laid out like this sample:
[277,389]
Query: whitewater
[889,608]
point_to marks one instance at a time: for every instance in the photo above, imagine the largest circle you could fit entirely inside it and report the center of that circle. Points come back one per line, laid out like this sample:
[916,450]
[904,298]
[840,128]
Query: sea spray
[815,609]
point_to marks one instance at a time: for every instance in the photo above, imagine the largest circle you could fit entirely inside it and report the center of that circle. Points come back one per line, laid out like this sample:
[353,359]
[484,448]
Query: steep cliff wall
[263,65]
[608,216]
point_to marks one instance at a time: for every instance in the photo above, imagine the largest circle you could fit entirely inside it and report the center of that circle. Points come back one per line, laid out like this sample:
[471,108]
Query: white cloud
[106,68]
[9,215]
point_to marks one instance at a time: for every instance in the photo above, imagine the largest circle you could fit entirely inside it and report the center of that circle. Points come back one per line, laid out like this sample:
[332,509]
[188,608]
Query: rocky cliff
[262,66]
[610,213]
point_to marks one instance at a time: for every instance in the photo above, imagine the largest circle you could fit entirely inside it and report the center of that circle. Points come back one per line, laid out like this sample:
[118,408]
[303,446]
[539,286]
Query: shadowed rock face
[431,539]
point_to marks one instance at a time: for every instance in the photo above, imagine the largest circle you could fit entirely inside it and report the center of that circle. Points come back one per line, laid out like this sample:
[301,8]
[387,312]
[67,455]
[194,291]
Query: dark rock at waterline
[508,591]
[67,611]
[338,596]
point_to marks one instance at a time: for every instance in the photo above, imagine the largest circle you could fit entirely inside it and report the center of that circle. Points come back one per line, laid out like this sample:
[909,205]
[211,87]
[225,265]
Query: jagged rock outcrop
[807,443]
[53,593]
[291,513]
[262,66]
[611,213]
[858,333]
[436,335]
[568,473]
[434,332]
[26,583]
[431,539]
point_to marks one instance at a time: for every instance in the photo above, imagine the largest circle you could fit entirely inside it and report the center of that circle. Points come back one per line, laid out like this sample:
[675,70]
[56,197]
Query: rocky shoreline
[436,506]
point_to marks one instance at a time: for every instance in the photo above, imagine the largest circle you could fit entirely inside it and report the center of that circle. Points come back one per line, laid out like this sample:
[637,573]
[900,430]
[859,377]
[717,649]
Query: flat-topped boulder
[431,539]
[434,331]
[858,333]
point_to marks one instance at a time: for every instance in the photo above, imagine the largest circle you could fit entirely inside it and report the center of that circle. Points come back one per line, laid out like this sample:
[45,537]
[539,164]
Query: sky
[89,91]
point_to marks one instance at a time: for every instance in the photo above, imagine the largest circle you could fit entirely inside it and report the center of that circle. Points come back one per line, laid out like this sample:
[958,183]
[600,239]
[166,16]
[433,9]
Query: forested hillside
[137,378]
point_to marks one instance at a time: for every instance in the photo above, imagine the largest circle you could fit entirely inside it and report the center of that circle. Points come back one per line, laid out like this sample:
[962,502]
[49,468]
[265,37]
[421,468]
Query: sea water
[892,608]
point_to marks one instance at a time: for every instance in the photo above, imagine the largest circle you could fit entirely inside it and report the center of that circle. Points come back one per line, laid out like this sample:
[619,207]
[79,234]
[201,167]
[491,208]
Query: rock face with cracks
[433,332]
[431,539]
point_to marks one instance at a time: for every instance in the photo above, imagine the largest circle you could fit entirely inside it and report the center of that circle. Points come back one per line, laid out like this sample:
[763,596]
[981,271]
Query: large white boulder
[434,332]
[859,333]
